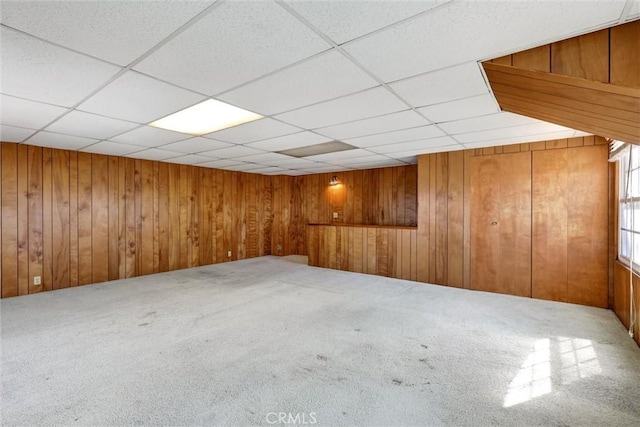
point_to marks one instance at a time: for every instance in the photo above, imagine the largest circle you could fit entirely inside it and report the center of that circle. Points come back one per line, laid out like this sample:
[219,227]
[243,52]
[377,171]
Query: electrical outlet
[335,215]
[37,280]
[229,254]
[279,247]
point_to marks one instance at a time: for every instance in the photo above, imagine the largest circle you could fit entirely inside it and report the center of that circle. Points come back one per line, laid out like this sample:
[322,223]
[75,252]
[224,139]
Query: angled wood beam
[600,108]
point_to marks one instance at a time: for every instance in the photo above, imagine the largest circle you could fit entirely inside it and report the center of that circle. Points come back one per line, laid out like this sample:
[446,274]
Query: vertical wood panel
[371,259]
[382,252]
[549,258]
[47,220]
[584,56]
[99,218]
[113,233]
[194,220]
[455,219]
[587,228]
[60,219]
[441,236]
[156,217]
[423,219]
[184,204]
[405,272]
[625,68]
[122,218]
[164,217]
[131,268]
[74,259]
[34,206]
[145,217]
[538,59]
[9,191]
[175,231]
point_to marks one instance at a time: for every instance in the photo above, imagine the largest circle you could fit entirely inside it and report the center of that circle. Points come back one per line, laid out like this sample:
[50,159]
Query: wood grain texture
[60,219]
[624,57]
[99,218]
[47,222]
[550,222]
[9,243]
[34,206]
[584,56]
[622,292]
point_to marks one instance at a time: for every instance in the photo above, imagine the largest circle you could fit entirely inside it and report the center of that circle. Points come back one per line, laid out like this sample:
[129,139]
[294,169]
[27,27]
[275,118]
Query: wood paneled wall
[512,219]
[590,82]
[622,297]
[77,218]
[385,196]
[381,250]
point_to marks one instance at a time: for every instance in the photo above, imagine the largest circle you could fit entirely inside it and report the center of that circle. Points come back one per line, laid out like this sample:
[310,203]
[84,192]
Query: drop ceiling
[393,78]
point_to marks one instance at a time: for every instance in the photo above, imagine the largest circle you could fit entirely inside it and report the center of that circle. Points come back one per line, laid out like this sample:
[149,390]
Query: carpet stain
[143,324]
[357,330]
[424,346]
[151,313]
[396,382]
[321,357]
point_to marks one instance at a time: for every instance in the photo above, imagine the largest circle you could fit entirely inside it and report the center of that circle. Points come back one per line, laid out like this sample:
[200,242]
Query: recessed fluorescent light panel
[206,117]
[313,150]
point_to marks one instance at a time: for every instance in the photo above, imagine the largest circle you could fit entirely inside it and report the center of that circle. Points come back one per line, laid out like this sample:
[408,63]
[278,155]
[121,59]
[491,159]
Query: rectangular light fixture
[206,117]
[314,150]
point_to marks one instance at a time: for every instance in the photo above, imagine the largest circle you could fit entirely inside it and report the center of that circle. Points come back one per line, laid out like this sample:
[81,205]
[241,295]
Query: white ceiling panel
[154,154]
[271,170]
[380,124]
[235,43]
[196,145]
[527,138]
[461,109]
[510,132]
[231,152]
[254,131]
[88,125]
[40,71]
[14,134]
[340,155]
[29,114]
[269,159]
[293,162]
[56,140]
[412,134]
[359,160]
[328,168]
[220,164]
[372,102]
[380,164]
[189,159]
[403,155]
[139,98]
[461,81]
[117,31]
[244,167]
[301,139]
[292,172]
[324,77]
[413,145]
[149,136]
[634,11]
[112,148]
[342,21]
[492,121]
[476,31]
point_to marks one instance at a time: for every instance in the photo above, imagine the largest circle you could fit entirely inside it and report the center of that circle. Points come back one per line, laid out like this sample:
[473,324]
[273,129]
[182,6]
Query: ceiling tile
[372,102]
[528,138]
[231,152]
[219,164]
[14,134]
[403,155]
[412,134]
[359,160]
[56,140]
[196,145]
[324,77]
[149,136]
[413,145]
[89,125]
[269,159]
[380,164]
[254,131]
[475,31]
[235,43]
[301,139]
[117,31]
[39,71]
[461,81]
[112,148]
[139,98]
[327,168]
[189,159]
[270,170]
[492,121]
[461,109]
[243,167]
[342,21]
[292,162]
[347,154]
[153,154]
[292,172]
[519,132]
[29,114]
[634,11]
[386,123]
